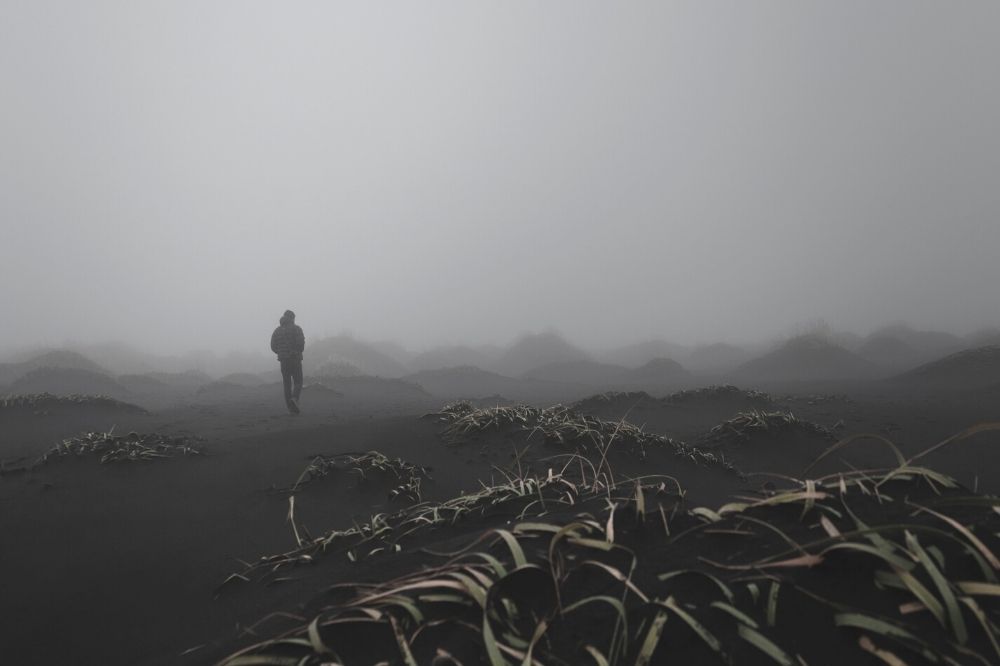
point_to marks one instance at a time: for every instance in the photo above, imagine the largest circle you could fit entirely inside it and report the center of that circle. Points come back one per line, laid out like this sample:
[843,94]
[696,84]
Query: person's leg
[297,378]
[286,378]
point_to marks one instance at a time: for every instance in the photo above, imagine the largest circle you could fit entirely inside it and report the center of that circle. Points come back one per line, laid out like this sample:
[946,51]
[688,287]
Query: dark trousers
[291,370]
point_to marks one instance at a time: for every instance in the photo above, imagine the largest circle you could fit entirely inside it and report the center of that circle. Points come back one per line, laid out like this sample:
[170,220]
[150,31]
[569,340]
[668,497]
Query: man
[288,342]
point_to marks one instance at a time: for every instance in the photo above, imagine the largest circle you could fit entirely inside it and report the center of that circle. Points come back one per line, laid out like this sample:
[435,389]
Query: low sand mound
[400,480]
[726,394]
[563,430]
[370,388]
[972,368]
[553,571]
[59,358]
[780,443]
[613,402]
[746,426]
[681,415]
[107,447]
[68,381]
[47,403]
[32,422]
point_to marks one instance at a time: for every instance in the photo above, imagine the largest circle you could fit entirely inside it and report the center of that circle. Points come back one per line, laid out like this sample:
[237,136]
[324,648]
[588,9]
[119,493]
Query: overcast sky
[176,174]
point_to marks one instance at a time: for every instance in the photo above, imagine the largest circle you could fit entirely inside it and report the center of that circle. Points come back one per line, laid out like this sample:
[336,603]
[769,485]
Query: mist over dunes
[494,333]
[540,366]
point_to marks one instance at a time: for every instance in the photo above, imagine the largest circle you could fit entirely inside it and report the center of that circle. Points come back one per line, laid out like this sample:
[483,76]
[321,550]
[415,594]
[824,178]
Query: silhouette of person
[288,342]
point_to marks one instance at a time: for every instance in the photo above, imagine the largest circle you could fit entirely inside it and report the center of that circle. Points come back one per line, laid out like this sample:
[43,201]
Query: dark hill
[344,348]
[658,370]
[888,351]
[971,368]
[586,372]
[927,344]
[535,351]
[454,357]
[57,358]
[68,381]
[807,358]
[716,358]
[640,353]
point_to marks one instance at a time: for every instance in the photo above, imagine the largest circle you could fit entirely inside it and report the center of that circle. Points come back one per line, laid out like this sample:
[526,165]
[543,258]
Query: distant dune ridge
[539,366]
[927,345]
[68,381]
[344,348]
[533,351]
[59,358]
[970,368]
[716,358]
[454,356]
[640,353]
[888,351]
[807,358]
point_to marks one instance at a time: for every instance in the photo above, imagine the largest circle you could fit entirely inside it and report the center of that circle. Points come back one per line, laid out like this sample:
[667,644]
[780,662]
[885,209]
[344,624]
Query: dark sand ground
[119,563]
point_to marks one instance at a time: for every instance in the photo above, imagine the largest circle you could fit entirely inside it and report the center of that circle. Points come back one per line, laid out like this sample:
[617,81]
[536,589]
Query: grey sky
[176,174]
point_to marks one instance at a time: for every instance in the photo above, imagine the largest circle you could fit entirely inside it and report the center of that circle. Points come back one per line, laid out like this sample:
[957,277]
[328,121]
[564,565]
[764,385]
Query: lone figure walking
[288,342]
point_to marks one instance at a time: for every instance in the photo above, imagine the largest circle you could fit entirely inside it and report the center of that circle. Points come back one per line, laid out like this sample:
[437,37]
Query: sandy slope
[117,564]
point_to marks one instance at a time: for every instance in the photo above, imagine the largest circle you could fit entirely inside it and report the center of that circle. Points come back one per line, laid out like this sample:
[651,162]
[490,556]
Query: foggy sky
[176,174]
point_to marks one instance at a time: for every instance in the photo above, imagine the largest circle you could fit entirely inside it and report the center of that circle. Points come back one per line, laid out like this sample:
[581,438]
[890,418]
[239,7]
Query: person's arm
[274,340]
[300,340]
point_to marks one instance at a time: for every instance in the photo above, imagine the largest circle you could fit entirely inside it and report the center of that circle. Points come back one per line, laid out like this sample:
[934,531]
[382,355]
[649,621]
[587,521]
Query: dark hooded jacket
[288,341]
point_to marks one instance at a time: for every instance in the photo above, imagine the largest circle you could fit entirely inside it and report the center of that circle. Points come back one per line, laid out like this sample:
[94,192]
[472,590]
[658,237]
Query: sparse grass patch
[742,427]
[133,447]
[404,477]
[717,393]
[895,564]
[40,403]
[567,429]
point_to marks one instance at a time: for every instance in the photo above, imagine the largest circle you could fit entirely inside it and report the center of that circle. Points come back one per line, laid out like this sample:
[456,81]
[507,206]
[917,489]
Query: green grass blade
[765,645]
[734,612]
[944,589]
[703,633]
[652,639]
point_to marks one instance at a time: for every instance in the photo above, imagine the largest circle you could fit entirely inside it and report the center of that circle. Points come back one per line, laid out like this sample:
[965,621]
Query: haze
[176,174]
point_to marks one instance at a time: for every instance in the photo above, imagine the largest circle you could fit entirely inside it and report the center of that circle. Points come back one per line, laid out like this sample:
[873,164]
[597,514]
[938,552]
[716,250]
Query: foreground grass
[893,566]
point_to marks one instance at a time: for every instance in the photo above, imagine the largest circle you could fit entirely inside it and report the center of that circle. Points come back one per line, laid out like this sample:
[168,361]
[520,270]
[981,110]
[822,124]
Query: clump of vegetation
[609,398]
[404,477]
[819,398]
[742,427]
[40,403]
[716,393]
[564,427]
[513,497]
[133,447]
[895,565]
